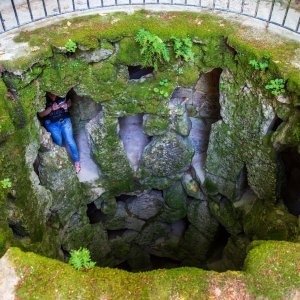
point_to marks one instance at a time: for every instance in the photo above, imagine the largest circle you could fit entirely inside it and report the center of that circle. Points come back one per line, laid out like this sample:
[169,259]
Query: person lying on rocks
[56,119]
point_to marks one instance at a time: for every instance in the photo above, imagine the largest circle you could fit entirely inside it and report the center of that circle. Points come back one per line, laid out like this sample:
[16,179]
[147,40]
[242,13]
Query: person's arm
[45,112]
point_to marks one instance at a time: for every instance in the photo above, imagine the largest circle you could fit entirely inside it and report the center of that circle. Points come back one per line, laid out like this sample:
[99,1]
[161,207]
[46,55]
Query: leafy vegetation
[161,91]
[183,48]
[81,259]
[5,183]
[277,86]
[259,66]
[71,46]
[154,50]
[180,71]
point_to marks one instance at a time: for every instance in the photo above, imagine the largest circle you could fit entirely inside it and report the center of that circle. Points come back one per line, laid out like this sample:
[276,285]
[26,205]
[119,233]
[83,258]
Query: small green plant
[81,259]
[5,183]
[259,66]
[277,86]
[71,46]
[183,48]
[153,48]
[222,86]
[161,91]
[180,71]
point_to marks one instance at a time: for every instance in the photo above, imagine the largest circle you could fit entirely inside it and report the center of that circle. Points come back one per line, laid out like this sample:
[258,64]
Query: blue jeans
[63,129]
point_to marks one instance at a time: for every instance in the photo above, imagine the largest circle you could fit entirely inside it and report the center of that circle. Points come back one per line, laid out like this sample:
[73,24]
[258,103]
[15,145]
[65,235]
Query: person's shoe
[77,167]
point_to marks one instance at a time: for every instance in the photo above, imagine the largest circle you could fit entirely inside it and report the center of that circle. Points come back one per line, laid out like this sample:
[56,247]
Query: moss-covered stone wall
[47,205]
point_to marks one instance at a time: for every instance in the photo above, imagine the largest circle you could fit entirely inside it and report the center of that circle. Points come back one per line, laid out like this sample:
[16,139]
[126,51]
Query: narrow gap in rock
[216,249]
[242,182]
[83,109]
[66,253]
[18,230]
[290,190]
[275,123]
[10,197]
[136,72]
[112,234]
[36,164]
[133,138]
[231,49]
[124,197]
[94,214]
[158,191]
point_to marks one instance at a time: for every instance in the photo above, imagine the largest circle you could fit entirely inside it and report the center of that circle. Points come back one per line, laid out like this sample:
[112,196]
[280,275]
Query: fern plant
[183,48]
[153,49]
[81,259]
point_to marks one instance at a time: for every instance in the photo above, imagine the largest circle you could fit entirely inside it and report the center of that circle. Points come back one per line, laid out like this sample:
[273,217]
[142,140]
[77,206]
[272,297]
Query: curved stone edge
[8,278]
[279,260]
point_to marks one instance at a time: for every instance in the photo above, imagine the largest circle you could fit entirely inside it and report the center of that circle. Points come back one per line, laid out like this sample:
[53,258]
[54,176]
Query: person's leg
[55,130]
[67,133]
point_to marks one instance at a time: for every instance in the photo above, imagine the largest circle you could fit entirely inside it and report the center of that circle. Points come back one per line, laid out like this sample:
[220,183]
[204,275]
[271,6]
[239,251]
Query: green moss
[273,269]
[268,222]
[6,110]
[155,125]
[107,45]
[62,74]
[190,75]
[129,53]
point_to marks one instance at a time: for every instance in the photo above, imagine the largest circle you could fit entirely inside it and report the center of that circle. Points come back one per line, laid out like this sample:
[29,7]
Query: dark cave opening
[290,189]
[19,231]
[137,72]
[275,124]
[124,197]
[94,214]
[216,249]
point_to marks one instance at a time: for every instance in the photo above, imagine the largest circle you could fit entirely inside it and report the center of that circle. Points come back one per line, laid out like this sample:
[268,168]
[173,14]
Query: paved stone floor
[66,6]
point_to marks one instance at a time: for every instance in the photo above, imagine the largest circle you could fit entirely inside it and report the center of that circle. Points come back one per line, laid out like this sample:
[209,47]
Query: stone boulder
[108,152]
[166,156]
[145,205]
[199,216]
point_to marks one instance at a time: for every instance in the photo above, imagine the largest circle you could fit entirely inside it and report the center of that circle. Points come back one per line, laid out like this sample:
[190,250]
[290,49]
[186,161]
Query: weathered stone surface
[79,232]
[269,222]
[183,124]
[166,156]
[191,187]
[145,205]
[122,219]
[240,139]
[199,215]
[108,151]
[223,210]
[235,251]
[96,55]
[155,125]
[288,133]
[153,232]
[195,244]
[175,204]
